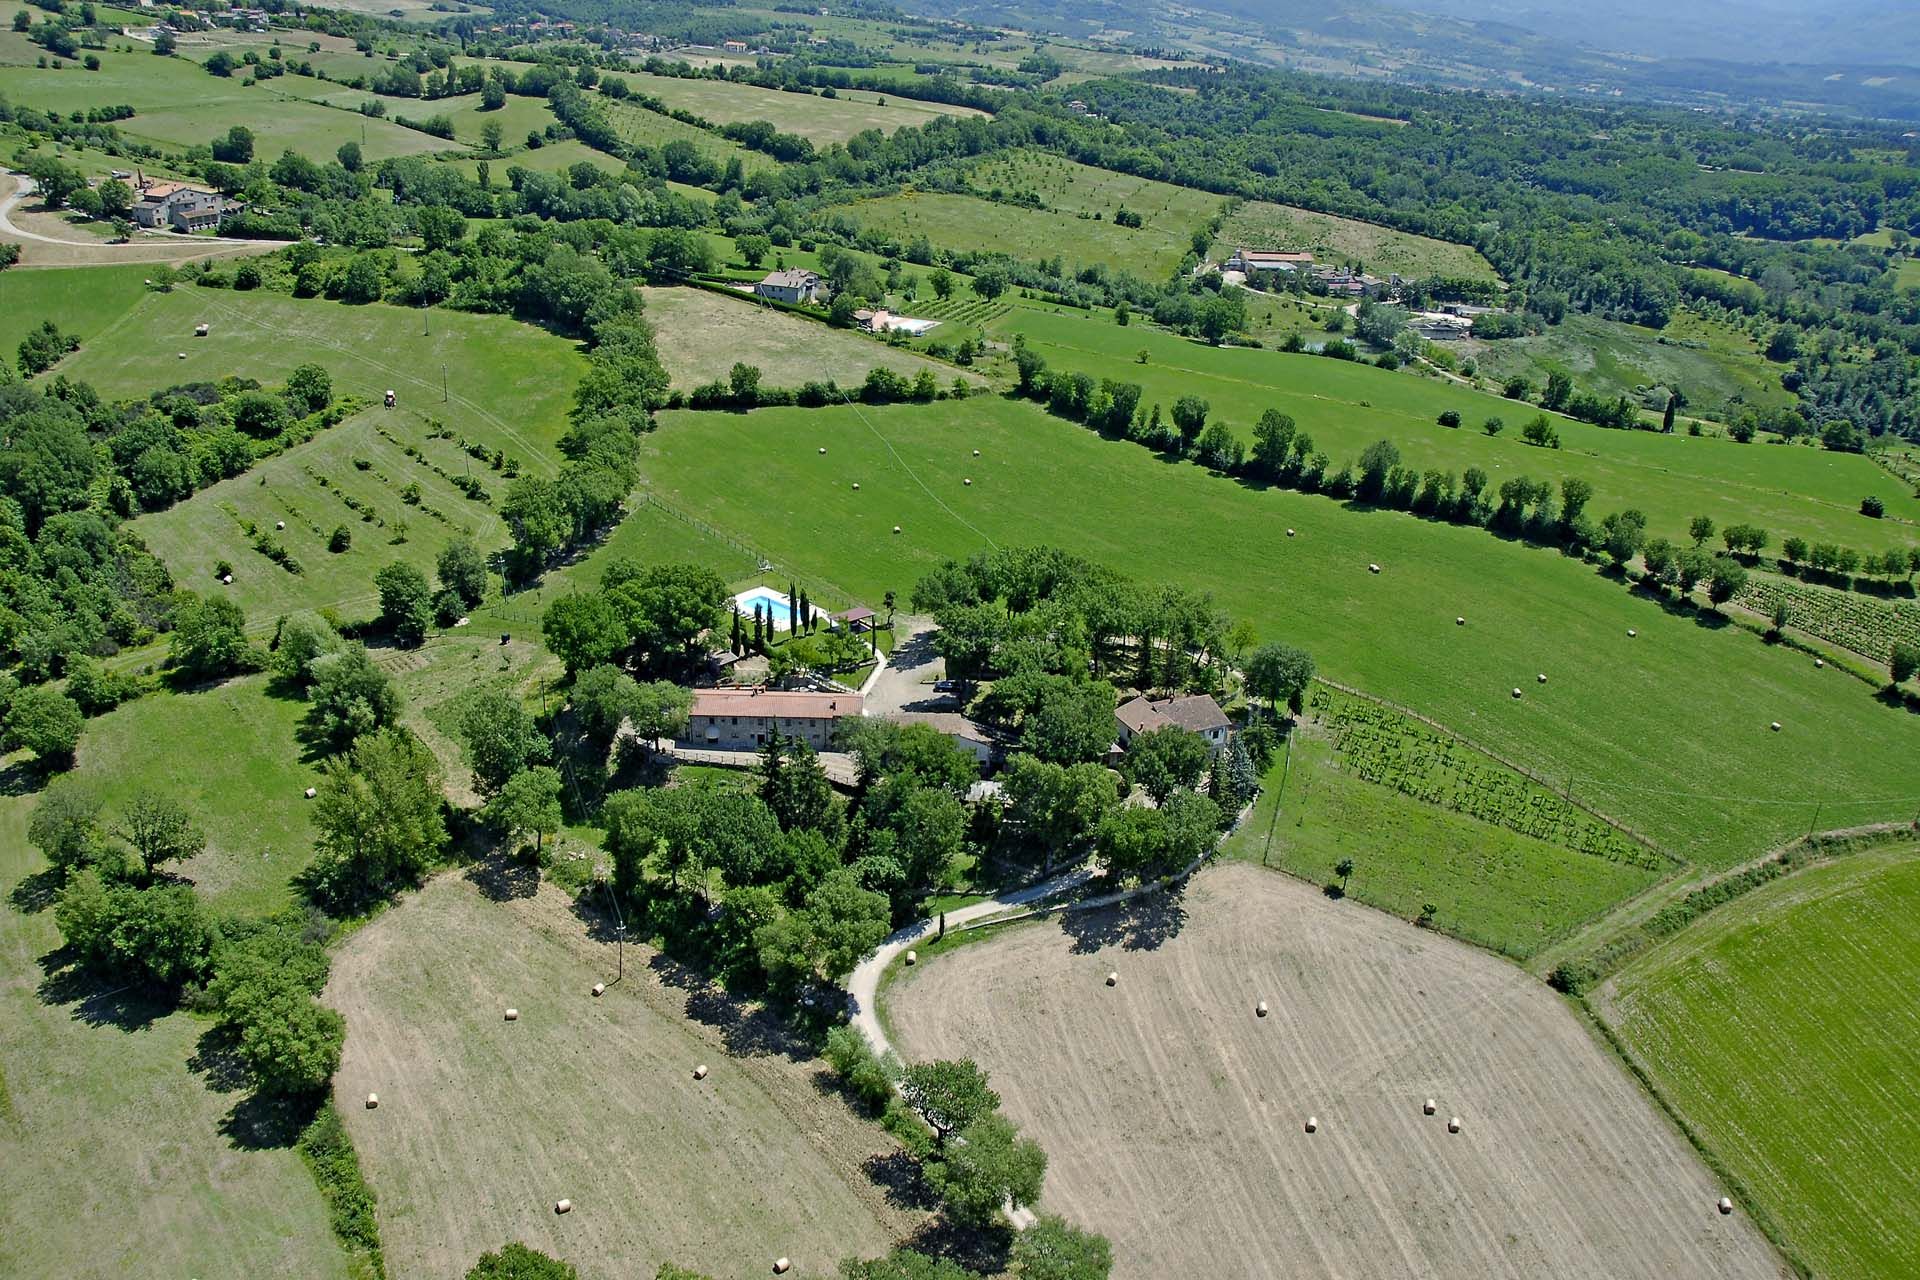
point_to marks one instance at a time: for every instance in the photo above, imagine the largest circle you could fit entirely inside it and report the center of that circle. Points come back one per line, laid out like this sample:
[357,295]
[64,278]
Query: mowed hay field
[1173,1117]
[702,334]
[822,120]
[483,1124]
[1345,406]
[1259,224]
[117,1158]
[1783,1028]
[1667,731]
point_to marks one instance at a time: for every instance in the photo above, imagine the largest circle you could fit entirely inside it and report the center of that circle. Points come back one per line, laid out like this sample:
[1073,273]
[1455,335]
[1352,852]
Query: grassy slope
[701,334]
[824,120]
[1346,406]
[1505,891]
[177,104]
[83,302]
[1709,362]
[1668,732]
[118,1157]
[1783,1029]
[1259,224]
[232,756]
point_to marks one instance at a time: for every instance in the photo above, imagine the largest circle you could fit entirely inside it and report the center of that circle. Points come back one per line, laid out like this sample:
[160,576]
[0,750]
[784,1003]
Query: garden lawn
[1259,224]
[1783,1029]
[1345,406]
[1505,891]
[1667,731]
[823,120]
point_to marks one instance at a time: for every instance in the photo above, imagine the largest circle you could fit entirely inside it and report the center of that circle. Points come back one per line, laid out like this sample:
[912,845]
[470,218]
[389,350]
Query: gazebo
[858,618]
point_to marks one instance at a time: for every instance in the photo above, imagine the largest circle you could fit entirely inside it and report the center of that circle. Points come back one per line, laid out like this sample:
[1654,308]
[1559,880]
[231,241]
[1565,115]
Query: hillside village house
[1196,714]
[178,207]
[794,285]
[743,719]
[1254,261]
[970,736]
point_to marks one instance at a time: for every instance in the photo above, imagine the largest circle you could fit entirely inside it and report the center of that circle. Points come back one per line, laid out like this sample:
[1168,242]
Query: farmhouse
[180,207]
[735,46]
[969,735]
[743,719]
[794,285]
[1196,714]
[1254,261]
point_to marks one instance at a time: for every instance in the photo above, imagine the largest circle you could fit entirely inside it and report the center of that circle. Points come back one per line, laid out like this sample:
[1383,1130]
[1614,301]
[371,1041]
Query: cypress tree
[793,609]
[734,640]
[757,643]
[806,611]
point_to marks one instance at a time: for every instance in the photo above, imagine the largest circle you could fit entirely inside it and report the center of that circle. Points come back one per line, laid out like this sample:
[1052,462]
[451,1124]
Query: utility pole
[443,384]
[1286,769]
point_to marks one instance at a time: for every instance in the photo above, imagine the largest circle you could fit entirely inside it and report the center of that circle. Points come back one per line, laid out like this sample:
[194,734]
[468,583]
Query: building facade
[744,719]
[794,285]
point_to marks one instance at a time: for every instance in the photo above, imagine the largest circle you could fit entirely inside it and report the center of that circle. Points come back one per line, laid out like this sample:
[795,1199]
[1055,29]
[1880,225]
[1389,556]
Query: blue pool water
[772,604]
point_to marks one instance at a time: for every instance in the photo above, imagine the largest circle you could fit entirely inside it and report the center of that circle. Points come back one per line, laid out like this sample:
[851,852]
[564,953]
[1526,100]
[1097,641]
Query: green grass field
[639,125]
[1066,186]
[701,334]
[232,756]
[1507,892]
[88,301]
[1710,362]
[1783,1029]
[1346,406]
[178,105]
[108,1122]
[1259,224]
[823,120]
[1667,731]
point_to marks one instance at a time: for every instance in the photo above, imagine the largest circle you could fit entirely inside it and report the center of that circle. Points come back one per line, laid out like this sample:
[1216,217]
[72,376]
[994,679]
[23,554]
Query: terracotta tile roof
[788,705]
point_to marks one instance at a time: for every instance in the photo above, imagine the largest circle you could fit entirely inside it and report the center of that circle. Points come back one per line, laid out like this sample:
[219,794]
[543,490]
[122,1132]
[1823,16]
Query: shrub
[340,539]
[868,1077]
[1450,418]
[1872,506]
[329,1155]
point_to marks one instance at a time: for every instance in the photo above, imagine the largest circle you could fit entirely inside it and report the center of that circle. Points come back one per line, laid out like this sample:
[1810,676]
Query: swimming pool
[772,604]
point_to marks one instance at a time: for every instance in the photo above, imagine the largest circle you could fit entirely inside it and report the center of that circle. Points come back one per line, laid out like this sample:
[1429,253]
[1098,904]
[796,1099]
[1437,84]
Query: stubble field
[483,1124]
[1173,1118]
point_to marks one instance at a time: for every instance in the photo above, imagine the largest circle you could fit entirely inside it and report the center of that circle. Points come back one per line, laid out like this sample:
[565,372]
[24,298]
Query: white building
[795,285]
[1196,714]
[968,735]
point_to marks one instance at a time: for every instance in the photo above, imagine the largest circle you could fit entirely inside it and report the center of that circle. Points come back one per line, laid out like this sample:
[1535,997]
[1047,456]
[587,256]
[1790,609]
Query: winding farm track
[1173,1117]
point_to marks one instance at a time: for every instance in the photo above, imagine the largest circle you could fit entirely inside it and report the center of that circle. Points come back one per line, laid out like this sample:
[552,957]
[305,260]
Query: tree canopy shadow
[98,1001]
[24,778]
[985,1250]
[746,1030]
[502,877]
[38,891]
[1138,924]
[268,1121]
[899,1178]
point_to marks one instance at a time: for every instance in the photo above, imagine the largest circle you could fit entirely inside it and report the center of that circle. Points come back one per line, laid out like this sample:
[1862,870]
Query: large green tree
[1164,759]
[501,739]
[378,812]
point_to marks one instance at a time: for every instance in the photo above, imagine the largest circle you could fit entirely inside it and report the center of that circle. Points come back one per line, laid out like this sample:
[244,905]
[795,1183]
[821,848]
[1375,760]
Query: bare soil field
[1174,1118]
[483,1124]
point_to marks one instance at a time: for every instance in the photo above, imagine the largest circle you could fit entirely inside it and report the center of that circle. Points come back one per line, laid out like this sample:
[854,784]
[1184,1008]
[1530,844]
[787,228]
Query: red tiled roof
[787,705]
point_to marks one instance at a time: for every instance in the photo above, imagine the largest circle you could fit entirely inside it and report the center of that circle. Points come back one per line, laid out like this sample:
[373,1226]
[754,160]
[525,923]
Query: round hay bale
[1453,1124]
[183,355]
[968,480]
[1373,568]
[599,989]
[1260,1010]
[1819,662]
[513,1015]
[1516,691]
[1427,1108]
[1776,726]
[781,1266]
[1631,633]
[976,453]
[1459,622]
[1542,677]
[856,486]
[1725,1206]
[1313,1124]
[563,1206]
[1289,533]
[1113,979]
[312,792]
[227,578]
[700,1072]
[280,525]
[373,1100]
[896,528]
[913,957]
[823,448]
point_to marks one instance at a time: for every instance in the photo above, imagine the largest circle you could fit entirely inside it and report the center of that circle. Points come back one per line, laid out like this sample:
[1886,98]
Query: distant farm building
[1196,714]
[795,285]
[743,719]
[1254,261]
[179,207]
